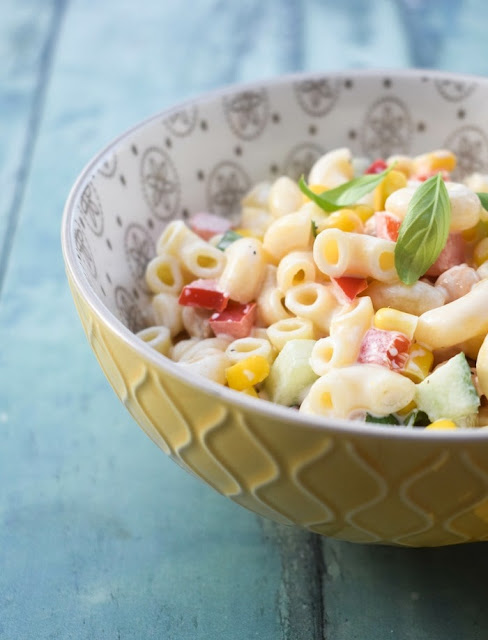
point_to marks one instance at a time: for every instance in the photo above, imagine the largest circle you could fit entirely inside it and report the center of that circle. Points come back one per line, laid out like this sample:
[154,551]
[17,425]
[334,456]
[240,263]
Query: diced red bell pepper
[236,320]
[348,287]
[387,225]
[204,294]
[386,348]
[377,166]
[207,225]
[454,253]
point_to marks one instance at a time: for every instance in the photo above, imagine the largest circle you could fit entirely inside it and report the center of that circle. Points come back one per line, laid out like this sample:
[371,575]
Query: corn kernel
[480,253]
[442,424]
[407,409]
[439,160]
[419,363]
[345,220]
[394,320]
[247,372]
[250,391]
[392,182]
[363,211]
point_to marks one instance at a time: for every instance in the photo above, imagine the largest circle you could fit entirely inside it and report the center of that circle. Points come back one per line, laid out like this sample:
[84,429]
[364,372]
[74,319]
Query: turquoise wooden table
[101,535]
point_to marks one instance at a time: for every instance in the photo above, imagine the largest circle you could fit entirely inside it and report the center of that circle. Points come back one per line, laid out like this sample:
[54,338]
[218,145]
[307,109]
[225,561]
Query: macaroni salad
[360,292]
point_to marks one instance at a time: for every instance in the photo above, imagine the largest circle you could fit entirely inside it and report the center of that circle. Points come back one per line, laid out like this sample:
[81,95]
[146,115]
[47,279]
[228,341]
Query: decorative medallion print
[90,208]
[455,90]
[182,122]
[301,159]
[85,254]
[139,249]
[129,312]
[108,167]
[226,186]
[387,128]
[160,183]
[470,145]
[247,113]
[317,96]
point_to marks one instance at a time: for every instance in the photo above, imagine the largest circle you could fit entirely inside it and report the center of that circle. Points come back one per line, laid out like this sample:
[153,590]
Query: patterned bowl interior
[207,153]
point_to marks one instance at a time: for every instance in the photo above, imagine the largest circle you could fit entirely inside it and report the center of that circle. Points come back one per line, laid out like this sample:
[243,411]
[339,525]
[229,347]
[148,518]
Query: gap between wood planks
[300,599]
[32,131]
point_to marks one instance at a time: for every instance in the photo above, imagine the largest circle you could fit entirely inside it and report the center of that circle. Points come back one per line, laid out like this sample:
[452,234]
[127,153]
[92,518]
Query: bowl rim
[328,426]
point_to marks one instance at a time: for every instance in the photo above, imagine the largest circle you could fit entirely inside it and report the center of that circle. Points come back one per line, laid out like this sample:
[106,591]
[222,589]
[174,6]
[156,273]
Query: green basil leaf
[315,229]
[345,194]
[483,199]
[424,230]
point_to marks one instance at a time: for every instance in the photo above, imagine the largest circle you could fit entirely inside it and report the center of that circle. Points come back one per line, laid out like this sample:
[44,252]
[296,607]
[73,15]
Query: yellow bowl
[358,482]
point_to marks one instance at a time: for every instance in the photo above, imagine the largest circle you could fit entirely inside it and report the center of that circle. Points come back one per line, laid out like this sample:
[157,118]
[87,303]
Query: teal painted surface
[101,535]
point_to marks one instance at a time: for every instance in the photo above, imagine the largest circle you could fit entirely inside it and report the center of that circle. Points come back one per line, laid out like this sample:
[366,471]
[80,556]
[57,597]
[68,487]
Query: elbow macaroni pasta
[314,298]
[338,253]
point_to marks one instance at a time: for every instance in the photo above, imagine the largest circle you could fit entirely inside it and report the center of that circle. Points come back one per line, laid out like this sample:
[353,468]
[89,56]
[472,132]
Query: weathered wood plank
[379,593]
[27,34]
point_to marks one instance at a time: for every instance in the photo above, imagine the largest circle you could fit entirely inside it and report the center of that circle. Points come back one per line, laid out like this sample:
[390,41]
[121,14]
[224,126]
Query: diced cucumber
[291,373]
[449,392]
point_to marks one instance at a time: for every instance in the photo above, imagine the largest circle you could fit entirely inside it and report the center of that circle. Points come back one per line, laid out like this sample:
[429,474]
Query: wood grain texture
[101,536]
[379,593]
[27,38]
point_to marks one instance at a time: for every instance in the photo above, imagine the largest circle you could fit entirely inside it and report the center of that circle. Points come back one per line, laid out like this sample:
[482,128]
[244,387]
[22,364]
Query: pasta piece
[313,301]
[242,348]
[211,366]
[332,169]
[167,312]
[456,321]
[402,163]
[292,232]
[271,300]
[257,196]
[465,205]
[358,388]
[415,299]
[196,322]
[157,337]
[282,331]
[337,253]
[347,329]
[203,357]
[256,220]
[244,271]
[175,235]
[202,259]
[295,268]
[164,275]
[285,197]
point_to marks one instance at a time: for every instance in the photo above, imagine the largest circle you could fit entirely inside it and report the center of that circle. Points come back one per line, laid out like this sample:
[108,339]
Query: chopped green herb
[345,194]
[227,239]
[315,229]
[424,230]
[389,419]
[416,418]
